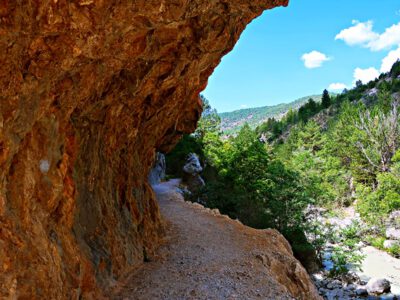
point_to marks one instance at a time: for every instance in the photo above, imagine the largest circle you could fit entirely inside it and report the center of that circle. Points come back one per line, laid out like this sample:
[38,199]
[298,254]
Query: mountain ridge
[254,116]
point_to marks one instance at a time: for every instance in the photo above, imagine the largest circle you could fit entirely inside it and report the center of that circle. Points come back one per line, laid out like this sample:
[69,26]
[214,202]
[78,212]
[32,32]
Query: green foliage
[205,142]
[376,242]
[326,99]
[395,71]
[375,203]
[268,176]
[342,258]
[347,252]
[263,191]
[233,121]
[176,159]
[209,122]
[351,235]
[272,129]
[394,250]
[319,234]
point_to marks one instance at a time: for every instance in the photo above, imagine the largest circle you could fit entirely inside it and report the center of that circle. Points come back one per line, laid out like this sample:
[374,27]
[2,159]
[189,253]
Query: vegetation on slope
[231,122]
[342,151]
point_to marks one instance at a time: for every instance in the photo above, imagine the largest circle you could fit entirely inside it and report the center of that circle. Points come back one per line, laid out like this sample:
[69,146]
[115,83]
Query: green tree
[310,137]
[210,121]
[326,99]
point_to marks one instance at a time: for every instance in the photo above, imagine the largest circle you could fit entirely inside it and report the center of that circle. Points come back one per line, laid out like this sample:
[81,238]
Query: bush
[394,250]
[375,205]
[342,259]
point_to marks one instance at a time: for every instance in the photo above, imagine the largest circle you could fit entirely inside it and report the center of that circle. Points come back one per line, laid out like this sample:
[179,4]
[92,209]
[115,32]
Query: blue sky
[296,51]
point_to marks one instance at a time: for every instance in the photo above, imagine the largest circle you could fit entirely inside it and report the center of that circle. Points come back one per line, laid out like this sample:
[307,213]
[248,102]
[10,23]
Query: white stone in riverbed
[390,243]
[378,286]
[393,233]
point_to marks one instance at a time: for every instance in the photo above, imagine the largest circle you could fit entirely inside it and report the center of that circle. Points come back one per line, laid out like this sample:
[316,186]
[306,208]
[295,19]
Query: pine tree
[326,99]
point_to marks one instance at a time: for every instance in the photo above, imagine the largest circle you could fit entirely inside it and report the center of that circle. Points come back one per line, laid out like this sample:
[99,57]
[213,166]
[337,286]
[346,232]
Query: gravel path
[209,256]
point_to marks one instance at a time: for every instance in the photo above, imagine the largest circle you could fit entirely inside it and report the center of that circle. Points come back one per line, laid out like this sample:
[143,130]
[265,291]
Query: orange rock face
[90,89]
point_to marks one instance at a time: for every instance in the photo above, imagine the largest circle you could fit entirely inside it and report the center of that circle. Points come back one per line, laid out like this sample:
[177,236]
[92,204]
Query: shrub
[394,250]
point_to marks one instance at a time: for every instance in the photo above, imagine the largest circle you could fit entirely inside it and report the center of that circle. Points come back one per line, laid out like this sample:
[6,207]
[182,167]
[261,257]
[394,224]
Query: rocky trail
[209,256]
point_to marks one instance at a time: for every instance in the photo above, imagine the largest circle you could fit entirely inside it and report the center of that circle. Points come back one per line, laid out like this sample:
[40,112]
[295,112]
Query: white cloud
[365,75]
[337,86]
[243,106]
[358,34]
[314,59]
[362,34]
[386,40]
[389,60]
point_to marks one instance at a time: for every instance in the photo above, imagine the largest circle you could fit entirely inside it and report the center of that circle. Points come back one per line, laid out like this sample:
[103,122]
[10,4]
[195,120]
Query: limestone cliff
[90,89]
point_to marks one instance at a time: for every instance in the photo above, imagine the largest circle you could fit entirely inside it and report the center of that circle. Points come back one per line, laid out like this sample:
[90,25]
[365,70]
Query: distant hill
[231,122]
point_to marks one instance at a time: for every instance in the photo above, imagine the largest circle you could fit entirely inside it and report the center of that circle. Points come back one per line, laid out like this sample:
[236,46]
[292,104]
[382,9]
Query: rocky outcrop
[89,91]
[191,173]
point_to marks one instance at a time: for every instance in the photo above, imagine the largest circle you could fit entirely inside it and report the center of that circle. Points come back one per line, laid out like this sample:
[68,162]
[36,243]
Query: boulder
[361,292]
[394,219]
[378,286]
[393,233]
[191,173]
[193,165]
[372,92]
[335,284]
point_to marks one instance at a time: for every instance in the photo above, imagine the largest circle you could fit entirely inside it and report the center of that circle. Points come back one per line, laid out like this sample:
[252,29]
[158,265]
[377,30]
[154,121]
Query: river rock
[334,285]
[394,219]
[378,286]
[393,233]
[390,243]
[361,292]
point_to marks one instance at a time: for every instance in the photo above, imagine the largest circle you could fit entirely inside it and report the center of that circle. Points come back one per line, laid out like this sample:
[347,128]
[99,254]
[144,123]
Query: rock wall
[157,172]
[90,89]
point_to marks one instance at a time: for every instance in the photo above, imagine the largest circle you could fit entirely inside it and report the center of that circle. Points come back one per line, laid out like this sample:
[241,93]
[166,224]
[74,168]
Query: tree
[326,99]
[379,136]
[310,137]
[395,71]
[210,121]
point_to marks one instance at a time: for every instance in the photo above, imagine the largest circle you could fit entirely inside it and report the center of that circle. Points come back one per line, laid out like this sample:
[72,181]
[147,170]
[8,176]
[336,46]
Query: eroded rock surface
[89,91]
[157,172]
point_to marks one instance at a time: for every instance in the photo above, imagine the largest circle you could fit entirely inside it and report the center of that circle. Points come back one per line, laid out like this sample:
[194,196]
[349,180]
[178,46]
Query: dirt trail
[209,256]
